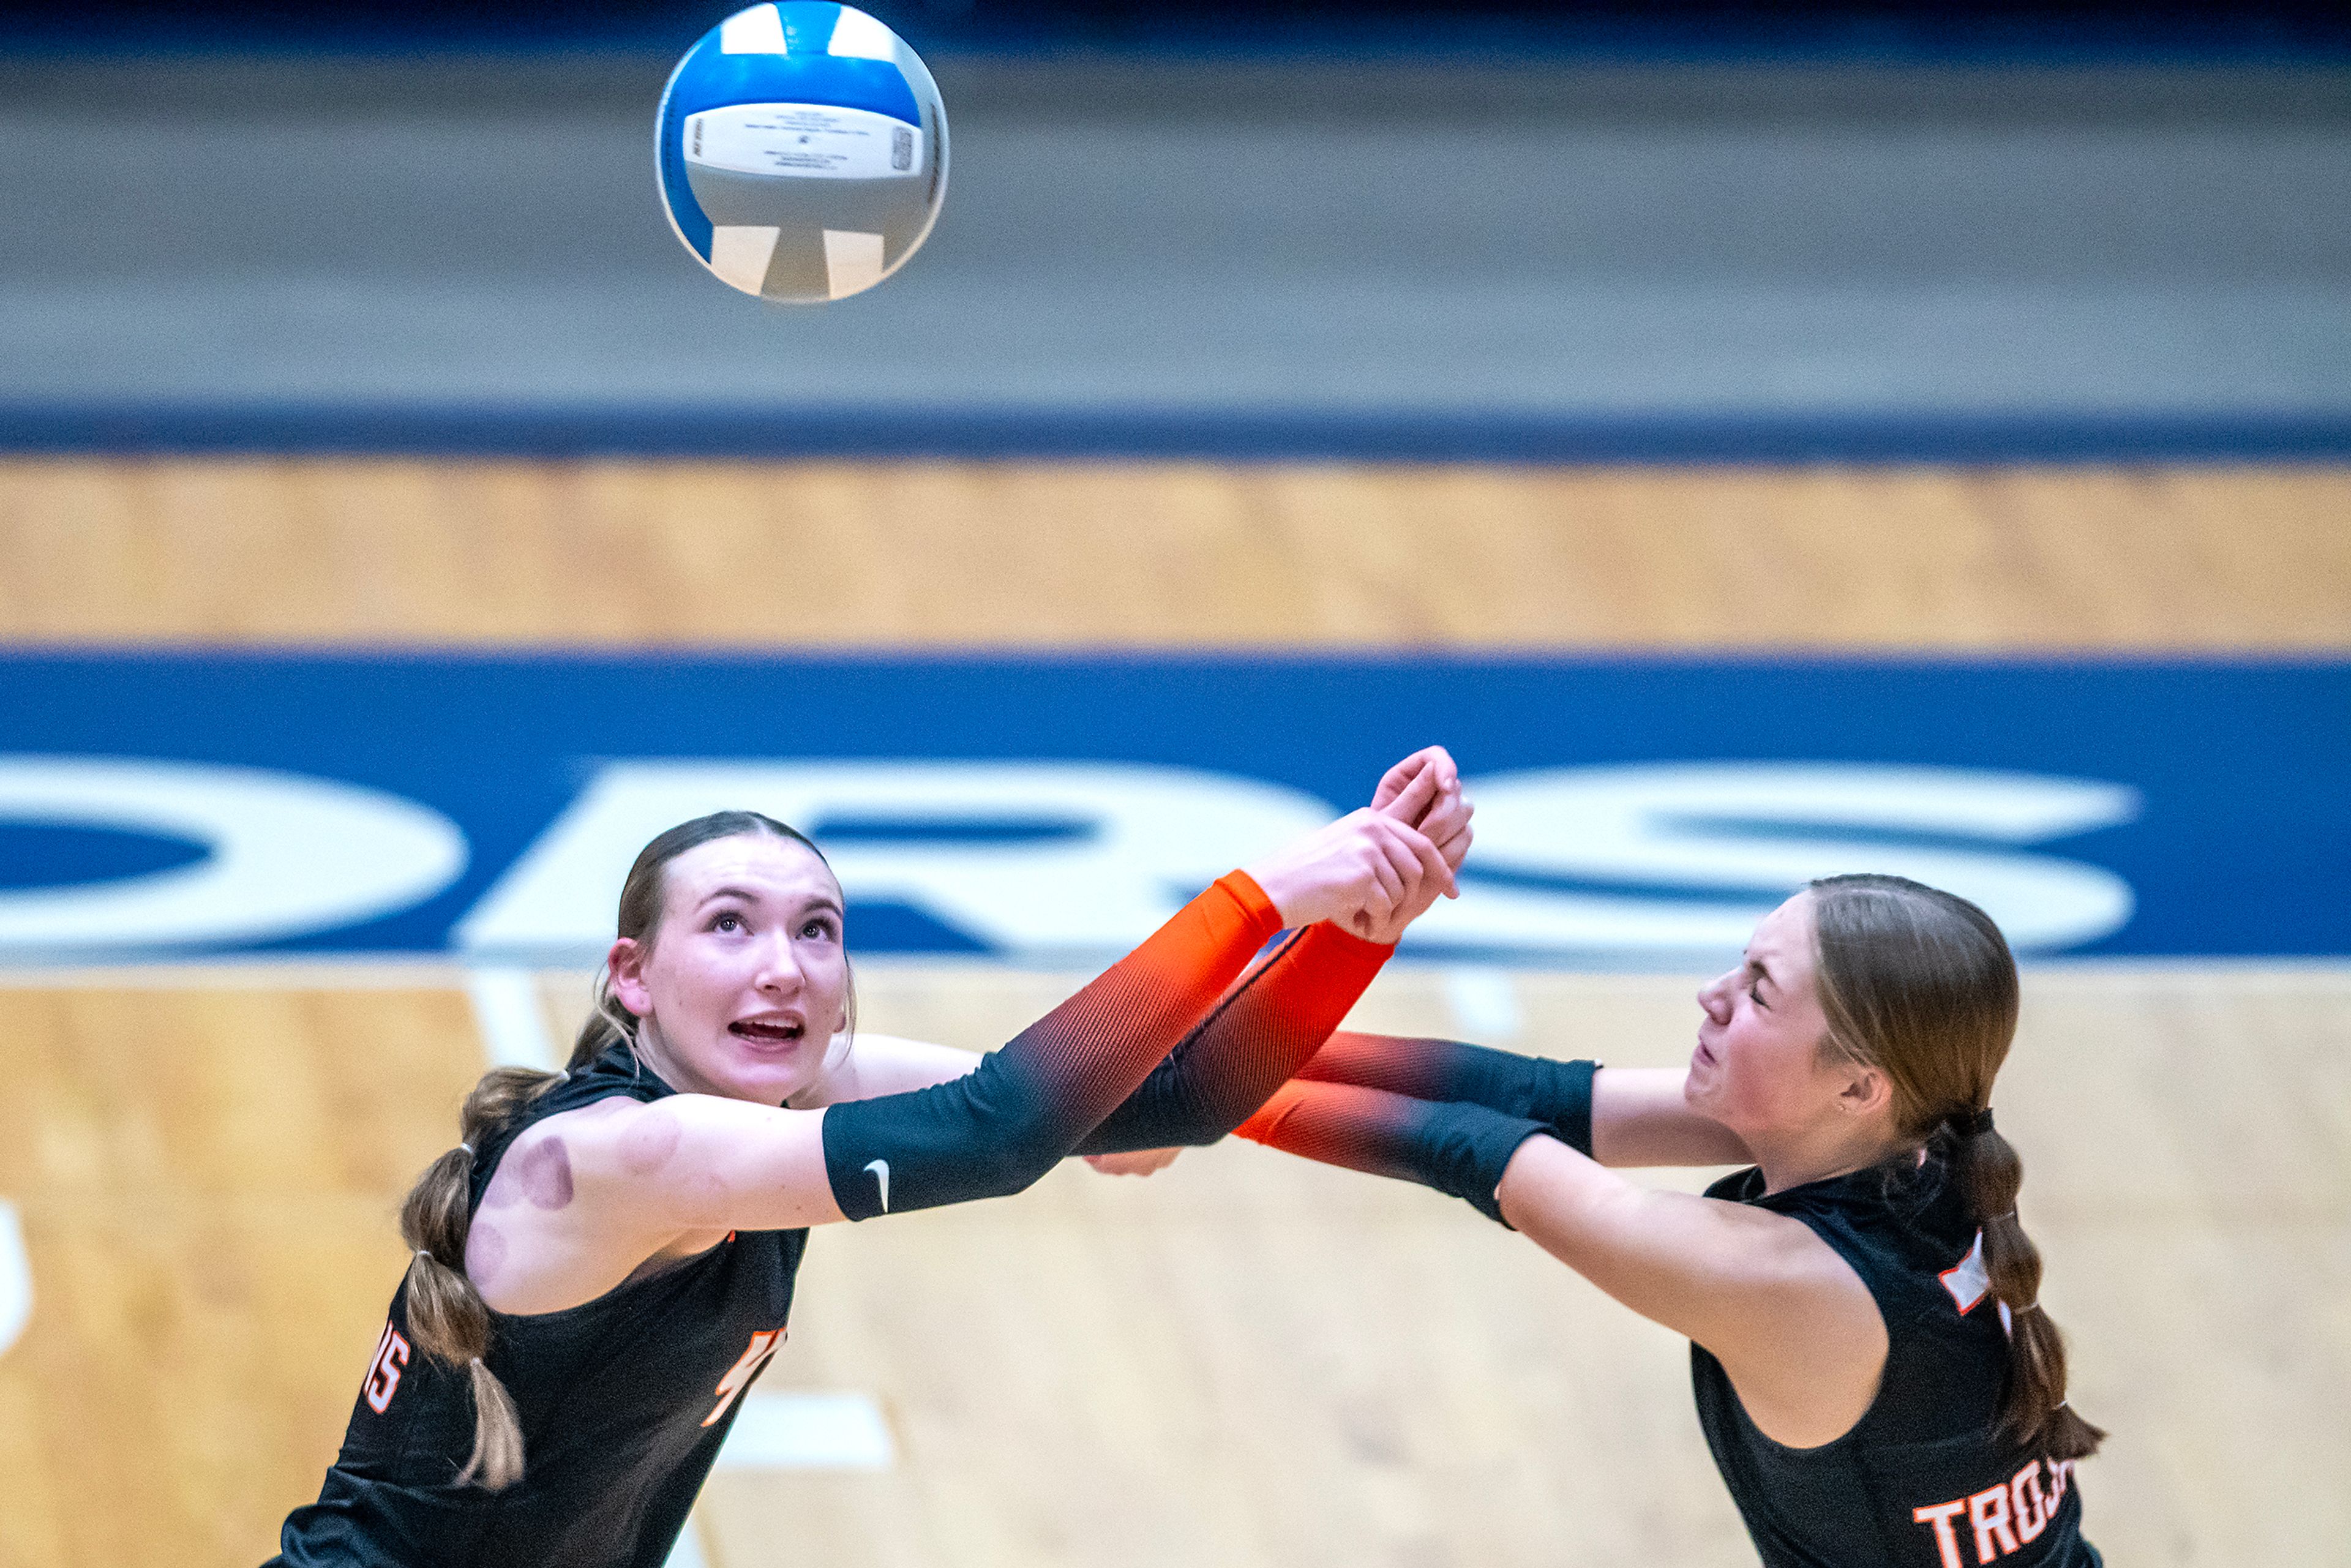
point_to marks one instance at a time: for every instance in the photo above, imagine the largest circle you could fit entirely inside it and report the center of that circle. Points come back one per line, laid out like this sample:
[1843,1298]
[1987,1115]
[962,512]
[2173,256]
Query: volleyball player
[1875,1376]
[607,1261]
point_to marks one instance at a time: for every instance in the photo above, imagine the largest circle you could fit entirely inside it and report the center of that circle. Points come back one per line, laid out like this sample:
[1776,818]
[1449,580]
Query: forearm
[1619,1116]
[1249,1046]
[1459,1149]
[997,1129]
[1559,1095]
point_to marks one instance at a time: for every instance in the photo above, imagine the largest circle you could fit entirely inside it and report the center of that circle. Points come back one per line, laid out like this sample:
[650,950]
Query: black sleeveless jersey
[1922,1480]
[624,1401]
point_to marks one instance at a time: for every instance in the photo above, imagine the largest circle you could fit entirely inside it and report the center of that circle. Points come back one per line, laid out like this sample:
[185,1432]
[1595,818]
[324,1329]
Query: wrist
[1464,1151]
[1276,891]
[1256,902]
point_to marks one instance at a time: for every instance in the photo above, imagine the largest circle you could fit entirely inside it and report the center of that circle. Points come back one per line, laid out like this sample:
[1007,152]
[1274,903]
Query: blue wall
[2234,840]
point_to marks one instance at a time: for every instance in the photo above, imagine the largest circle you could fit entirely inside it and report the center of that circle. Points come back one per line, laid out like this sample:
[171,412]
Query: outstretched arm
[1278,1017]
[1555,1096]
[1260,1032]
[583,1198]
[997,1129]
[1267,1025]
[1460,1150]
[1619,1116]
[694,1162]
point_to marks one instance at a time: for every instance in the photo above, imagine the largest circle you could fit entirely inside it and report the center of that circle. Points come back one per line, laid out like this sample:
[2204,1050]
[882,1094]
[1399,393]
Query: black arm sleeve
[1556,1094]
[999,1129]
[1459,1149]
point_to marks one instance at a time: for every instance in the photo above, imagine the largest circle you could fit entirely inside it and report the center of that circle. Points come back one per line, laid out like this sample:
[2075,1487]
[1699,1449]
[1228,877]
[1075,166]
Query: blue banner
[1631,810]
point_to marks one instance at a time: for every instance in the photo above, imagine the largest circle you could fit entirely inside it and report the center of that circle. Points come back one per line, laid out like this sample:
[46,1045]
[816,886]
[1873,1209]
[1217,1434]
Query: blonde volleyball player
[1875,1373]
[607,1261]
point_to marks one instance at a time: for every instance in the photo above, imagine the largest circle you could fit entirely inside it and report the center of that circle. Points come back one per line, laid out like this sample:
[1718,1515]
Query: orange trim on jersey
[738,1378]
[391,1358]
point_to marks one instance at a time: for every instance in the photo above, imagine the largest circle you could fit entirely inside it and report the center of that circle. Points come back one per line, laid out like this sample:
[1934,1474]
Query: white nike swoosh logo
[881,1169]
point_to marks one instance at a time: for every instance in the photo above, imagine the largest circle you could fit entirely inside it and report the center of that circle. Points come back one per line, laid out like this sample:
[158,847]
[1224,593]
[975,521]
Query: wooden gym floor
[1245,1361]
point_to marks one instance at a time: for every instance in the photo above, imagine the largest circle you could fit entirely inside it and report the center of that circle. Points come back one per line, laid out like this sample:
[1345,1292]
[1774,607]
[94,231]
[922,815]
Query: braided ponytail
[447,1318]
[1920,984]
[2034,1410]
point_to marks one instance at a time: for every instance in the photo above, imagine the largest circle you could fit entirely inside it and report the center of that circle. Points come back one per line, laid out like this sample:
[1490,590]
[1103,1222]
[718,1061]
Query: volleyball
[801,150]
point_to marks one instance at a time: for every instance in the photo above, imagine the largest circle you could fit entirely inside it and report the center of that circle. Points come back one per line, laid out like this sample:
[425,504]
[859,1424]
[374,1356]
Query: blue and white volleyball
[802,151]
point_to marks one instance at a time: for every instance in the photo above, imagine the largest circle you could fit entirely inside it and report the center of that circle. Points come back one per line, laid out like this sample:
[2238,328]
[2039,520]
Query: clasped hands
[1375,870]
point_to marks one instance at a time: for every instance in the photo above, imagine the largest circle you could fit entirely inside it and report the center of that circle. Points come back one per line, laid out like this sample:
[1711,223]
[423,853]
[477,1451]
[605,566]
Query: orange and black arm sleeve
[1459,1149]
[997,1129]
[1265,1030]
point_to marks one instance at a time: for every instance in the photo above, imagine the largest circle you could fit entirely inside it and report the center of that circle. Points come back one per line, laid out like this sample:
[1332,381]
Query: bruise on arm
[538,1169]
[545,1169]
[486,1253]
[648,1139]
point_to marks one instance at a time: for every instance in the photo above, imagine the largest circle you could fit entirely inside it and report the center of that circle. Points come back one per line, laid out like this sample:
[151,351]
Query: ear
[1865,1091]
[626,960]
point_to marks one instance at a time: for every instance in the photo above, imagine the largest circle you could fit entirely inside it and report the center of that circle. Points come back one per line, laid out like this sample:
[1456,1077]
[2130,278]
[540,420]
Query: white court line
[1485,1003]
[807,1431]
[506,1011]
[16,1278]
[795,1431]
[687,1552]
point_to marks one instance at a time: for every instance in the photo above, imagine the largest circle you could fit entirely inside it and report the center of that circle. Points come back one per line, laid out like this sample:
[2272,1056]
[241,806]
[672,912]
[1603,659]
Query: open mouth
[767,1031]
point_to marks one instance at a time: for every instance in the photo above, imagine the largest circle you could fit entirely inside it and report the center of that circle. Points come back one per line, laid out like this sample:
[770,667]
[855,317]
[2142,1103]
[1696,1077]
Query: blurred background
[1761,441]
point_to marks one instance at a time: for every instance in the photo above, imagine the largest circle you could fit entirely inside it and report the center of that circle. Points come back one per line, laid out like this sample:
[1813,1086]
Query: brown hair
[446,1315]
[1920,985]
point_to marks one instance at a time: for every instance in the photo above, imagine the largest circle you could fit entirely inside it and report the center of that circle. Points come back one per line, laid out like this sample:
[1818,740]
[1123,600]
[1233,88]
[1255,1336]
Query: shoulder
[1778,1251]
[1806,1346]
[616,1137]
[1807,1259]
[1839,1227]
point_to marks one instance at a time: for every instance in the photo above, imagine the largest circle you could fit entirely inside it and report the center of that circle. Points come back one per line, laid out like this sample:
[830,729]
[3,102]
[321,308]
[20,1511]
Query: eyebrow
[1762,973]
[821,900]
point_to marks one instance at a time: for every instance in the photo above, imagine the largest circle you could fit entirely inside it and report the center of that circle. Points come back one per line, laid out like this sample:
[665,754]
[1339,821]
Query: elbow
[1017,1158]
[1016,1136]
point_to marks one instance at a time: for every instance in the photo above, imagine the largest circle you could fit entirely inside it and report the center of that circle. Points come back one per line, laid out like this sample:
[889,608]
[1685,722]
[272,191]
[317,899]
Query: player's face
[1758,1065]
[748,982]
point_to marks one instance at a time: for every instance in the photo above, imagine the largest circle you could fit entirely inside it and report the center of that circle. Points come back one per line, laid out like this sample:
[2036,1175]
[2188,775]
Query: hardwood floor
[932,554]
[1246,1361]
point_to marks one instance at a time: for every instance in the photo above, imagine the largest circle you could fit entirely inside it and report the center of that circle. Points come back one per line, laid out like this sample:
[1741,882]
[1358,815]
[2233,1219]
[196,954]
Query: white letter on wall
[16,1278]
[1144,839]
[1750,834]
[289,854]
